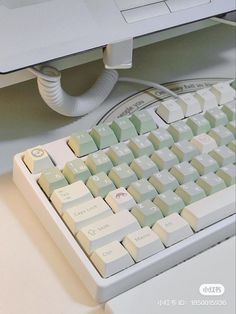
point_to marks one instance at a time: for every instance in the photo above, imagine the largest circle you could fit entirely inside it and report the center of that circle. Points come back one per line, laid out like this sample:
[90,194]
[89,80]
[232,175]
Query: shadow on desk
[30,243]
[22,112]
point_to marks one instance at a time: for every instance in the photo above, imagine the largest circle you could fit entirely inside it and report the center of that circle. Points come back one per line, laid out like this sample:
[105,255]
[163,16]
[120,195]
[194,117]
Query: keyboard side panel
[54,225]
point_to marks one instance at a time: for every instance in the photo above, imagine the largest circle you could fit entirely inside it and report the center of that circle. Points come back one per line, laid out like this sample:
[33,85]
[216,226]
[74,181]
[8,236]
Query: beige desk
[34,276]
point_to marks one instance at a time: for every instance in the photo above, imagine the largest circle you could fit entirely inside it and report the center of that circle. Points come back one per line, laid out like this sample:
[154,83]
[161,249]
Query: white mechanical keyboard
[127,200]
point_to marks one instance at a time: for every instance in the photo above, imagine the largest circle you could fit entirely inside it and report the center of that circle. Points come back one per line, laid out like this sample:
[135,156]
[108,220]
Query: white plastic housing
[105,289]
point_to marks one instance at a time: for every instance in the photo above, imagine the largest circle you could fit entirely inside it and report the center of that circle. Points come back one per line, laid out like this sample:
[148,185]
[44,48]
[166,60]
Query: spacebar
[211,209]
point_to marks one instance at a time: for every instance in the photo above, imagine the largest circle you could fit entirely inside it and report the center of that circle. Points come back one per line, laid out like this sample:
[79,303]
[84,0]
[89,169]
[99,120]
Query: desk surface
[35,277]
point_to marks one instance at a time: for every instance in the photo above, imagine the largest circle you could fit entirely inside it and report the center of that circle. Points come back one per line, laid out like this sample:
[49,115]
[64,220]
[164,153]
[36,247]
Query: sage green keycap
[147,213]
[103,136]
[144,167]
[230,110]
[223,155]
[232,146]
[180,131]
[140,146]
[122,175]
[198,124]
[231,126]
[221,135]
[190,192]
[164,158]
[184,172]
[184,150]
[142,190]
[204,164]
[143,121]
[76,170]
[216,117]
[160,138]
[51,179]
[98,162]
[123,129]
[228,174]
[82,143]
[163,181]
[169,202]
[100,185]
[120,153]
[211,183]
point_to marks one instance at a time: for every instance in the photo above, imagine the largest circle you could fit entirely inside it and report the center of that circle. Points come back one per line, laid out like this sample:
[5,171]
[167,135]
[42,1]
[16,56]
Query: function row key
[104,135]
[223,92]
[206,98]
[190,104]
[186,105]
[82,143]
[123,128]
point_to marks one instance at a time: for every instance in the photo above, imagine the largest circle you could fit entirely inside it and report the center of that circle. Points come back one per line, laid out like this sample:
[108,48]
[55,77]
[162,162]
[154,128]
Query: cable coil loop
[50,89]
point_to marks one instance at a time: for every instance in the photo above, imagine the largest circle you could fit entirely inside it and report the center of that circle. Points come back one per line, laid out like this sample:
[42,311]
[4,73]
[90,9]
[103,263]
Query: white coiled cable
[50,89]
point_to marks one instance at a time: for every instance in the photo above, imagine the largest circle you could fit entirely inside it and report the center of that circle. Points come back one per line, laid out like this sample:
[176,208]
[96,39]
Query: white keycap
[223,92]
[111,259]
[206,98]
[189,104]
[86,213]
[211,209]
[37,159]
[70,195]
[172,229]
[204,143]
[170,111]
[120,199]
[112,228]
[142,243]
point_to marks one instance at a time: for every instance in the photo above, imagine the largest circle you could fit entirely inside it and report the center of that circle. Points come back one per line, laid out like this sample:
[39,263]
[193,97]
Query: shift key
[211,209]
[104,231]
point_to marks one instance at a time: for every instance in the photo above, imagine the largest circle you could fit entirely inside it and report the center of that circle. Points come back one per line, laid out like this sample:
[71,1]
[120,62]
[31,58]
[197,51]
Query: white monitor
[36,31]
